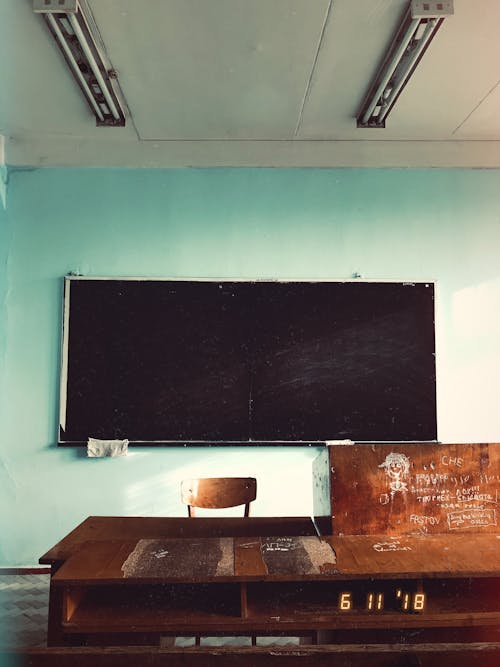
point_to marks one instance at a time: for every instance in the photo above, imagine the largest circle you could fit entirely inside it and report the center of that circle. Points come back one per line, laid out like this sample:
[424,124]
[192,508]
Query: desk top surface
[99,528]
[280,558]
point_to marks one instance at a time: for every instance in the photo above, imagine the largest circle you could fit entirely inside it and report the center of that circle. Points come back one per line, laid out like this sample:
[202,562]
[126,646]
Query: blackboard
[204,362]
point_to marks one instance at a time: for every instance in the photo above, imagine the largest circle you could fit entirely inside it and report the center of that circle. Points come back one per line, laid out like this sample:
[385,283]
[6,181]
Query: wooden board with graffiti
[405,489]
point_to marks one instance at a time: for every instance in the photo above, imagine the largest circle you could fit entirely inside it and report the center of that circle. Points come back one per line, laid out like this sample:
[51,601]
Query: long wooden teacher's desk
[131,582]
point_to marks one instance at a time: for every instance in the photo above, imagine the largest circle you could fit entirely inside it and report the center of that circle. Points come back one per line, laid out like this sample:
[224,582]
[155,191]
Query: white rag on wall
[99,448]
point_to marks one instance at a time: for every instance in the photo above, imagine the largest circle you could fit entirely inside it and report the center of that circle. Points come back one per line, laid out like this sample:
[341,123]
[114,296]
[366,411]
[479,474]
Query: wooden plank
[166,560]
[56,606]
[403,489]
[195,623]
[248,557]
[425,556]
[357,556]
[283,556]
[343,655]
[94,562]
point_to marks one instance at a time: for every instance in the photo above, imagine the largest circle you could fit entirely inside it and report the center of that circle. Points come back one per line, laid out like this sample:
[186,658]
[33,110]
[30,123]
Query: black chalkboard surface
[228,362]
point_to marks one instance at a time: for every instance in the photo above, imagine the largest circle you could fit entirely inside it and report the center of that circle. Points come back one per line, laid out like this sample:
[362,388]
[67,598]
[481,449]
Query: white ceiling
[253,82]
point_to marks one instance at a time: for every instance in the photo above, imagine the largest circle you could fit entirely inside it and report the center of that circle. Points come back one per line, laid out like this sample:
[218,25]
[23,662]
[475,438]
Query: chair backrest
[218,492]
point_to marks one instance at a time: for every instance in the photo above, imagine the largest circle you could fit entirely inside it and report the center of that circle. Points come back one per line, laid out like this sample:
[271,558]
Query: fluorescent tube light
[69,22]
[420,24]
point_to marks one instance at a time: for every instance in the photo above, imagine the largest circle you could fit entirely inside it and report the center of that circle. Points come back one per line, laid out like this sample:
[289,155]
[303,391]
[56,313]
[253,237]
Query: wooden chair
[218,493]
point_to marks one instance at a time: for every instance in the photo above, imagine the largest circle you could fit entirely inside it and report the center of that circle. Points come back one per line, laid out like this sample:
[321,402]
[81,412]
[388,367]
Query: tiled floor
[24,601]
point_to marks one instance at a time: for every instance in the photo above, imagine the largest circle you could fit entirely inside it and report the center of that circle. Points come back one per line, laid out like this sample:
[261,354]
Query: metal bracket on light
[73,28]
[420,24]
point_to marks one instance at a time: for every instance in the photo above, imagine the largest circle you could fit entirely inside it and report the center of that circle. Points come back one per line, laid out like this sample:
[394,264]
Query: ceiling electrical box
[421,9]
[55,6]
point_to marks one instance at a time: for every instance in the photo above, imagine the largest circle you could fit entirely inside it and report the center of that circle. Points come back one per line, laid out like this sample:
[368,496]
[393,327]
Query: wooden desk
[105,528]
[377,589]
[99,528]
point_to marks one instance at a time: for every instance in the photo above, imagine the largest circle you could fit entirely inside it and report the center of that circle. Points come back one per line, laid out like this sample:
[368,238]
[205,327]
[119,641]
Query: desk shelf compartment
[150,608]
[375,603]
[285,605]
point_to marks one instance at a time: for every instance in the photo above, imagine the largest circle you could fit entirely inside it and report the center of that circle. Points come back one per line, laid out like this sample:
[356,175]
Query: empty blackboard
[205,362]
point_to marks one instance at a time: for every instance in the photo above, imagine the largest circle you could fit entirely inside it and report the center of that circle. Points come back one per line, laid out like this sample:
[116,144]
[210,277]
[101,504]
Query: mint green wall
[384,224]
[5,507]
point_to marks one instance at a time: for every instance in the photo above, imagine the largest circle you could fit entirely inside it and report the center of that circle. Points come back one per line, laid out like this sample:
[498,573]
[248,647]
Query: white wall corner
[3,174]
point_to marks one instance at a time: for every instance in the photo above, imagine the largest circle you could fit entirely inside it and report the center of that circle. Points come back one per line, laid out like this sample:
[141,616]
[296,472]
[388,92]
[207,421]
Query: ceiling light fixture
[421,22]
[72,26]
